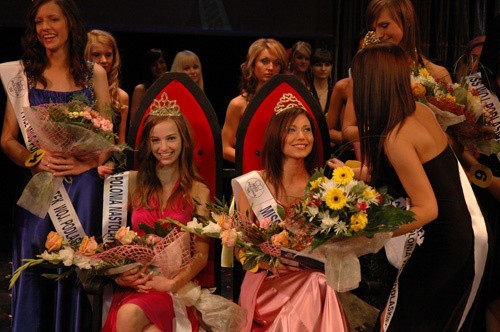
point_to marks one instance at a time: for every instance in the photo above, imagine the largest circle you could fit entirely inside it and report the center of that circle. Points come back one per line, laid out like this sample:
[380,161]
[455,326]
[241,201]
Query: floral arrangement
[458,109]
[74,129]
[342,207]
[125,251]
[332,209]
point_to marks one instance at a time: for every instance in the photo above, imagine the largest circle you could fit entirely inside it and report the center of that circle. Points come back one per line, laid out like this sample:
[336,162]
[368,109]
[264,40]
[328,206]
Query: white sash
[260,198]
[61,210]
[115,203]
[488,99]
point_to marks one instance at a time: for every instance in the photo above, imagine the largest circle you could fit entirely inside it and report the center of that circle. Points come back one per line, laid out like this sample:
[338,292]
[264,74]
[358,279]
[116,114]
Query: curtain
[445,27]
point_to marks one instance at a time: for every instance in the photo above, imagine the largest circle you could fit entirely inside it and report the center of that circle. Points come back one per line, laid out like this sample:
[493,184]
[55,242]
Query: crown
[370,39]
[287,101]
[165,107]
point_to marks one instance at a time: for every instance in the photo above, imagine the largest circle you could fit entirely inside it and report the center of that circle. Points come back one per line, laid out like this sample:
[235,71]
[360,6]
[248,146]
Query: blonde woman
[189,63]
[102,49]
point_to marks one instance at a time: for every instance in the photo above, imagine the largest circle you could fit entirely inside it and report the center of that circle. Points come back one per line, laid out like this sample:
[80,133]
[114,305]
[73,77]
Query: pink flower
[106,125]
[265,223]
[229,237]
[87,115]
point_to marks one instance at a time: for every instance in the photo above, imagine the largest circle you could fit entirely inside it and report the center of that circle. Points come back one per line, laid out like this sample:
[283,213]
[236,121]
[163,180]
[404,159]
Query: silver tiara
[287,101]
[165,107]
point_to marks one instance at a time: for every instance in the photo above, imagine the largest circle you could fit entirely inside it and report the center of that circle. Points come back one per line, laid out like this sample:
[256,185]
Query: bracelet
[34,158]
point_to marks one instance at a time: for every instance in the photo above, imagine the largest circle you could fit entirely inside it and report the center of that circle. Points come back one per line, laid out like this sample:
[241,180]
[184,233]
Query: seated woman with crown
[161,189]
[285,298]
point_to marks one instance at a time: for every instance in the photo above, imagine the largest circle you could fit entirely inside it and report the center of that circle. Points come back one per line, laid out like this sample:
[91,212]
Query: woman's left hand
[158,283]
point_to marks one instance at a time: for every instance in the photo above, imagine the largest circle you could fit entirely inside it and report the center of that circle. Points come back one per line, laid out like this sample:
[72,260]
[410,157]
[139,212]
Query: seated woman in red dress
[166,185]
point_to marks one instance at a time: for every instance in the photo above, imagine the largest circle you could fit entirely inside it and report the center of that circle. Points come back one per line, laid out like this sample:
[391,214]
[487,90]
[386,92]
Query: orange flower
[281,239]
[224,221]
[125,235]
[88,246]
[418,90]
[54,241]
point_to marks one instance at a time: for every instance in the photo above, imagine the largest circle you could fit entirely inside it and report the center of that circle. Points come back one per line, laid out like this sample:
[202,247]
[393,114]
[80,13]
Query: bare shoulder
[238,102]
[200,191]
[123,96]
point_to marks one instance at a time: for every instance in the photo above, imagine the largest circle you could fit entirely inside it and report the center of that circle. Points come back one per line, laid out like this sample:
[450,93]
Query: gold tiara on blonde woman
[164,107]
[287,101]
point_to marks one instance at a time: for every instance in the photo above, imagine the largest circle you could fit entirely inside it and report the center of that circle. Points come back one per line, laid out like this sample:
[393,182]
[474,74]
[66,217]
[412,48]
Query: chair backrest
[205,131]
[250,134]
[203,120]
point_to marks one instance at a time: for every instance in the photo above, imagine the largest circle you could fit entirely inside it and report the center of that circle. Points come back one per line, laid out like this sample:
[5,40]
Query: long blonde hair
[105,38]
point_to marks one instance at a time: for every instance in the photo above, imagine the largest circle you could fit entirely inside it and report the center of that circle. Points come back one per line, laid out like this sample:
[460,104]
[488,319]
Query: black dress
[439,282]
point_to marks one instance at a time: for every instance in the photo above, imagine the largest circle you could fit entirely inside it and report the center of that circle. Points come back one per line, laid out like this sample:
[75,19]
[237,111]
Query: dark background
[220,31]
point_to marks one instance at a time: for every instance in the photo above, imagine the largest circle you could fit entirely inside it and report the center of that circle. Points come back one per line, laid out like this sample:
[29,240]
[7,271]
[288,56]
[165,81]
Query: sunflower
[335,199]
[316,183]
[358,221]
[343,175]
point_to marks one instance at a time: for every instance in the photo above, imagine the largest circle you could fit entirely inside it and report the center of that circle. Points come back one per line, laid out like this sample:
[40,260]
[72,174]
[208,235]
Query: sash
[409,245]
[488,99]
[61,210]
[115,203]
[260,198]
[15,84]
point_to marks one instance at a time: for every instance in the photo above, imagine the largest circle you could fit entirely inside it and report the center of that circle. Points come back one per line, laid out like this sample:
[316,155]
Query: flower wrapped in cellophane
[164,249]
[458,109]
[345,219]
[340,209]
[74,129]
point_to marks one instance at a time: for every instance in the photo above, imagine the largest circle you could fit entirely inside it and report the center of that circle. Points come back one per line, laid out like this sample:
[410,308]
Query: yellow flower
[369,193]
[423,72]
[358,221]
[335,199]
[316,183]
[243,257]
[343,175]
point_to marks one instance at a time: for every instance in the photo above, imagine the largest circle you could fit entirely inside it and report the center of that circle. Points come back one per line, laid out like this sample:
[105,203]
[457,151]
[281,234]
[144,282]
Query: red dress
[157,306]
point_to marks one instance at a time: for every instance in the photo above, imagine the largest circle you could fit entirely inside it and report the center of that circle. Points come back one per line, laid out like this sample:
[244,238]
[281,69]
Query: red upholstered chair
[275,93]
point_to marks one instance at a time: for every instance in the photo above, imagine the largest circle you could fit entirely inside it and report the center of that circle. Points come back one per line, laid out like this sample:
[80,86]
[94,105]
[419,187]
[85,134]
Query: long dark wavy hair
[149,187]
[34,58]
[382,99]
[272,156]
[151,56]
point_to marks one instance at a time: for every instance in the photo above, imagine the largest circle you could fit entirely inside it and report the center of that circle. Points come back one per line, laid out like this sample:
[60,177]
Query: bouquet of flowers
[360,218]
[458,110]
[165,252]
[73,129]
